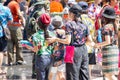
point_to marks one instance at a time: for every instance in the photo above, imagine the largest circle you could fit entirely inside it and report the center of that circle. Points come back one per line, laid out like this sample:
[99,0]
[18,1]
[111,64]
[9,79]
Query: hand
[97,46]
[51,40]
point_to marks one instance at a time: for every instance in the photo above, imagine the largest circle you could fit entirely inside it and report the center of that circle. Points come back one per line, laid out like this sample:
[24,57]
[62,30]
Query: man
[90,24]
[16,33]
[5,18]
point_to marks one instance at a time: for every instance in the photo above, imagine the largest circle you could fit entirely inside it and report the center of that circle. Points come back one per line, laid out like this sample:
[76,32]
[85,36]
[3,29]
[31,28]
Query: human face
[71,16]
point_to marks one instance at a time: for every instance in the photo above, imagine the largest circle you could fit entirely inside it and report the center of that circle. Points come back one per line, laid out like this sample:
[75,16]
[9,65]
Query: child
[42,48]
[58,54]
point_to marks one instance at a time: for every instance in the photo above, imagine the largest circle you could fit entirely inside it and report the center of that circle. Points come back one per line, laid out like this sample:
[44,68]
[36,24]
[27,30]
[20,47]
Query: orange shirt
[14,7]
[55,6]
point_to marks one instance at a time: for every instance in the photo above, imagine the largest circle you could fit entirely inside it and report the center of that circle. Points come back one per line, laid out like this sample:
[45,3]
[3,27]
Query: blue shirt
[5,16]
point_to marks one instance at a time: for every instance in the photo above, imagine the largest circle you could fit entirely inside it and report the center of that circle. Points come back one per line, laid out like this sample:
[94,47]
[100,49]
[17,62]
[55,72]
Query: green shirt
[38,38]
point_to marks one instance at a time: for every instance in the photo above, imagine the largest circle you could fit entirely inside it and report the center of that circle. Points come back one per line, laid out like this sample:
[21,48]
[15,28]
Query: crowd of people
[64,36]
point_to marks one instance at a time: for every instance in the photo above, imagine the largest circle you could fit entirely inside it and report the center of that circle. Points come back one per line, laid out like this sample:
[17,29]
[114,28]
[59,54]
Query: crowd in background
[89,27]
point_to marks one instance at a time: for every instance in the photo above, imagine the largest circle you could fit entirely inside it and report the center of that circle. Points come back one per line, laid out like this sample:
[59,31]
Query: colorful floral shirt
[90,24]
[38,38]
[94,10]
[108,30]
[5,16]
[78,32]
[59,52]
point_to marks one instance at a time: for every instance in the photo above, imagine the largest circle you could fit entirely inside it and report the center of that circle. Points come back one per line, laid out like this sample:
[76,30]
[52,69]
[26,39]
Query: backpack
[31,25]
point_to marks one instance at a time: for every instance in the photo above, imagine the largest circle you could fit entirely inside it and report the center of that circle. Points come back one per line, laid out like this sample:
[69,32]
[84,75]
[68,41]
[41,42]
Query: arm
[21,17]
[34,48]
[67,40]
[90,41]
[106,42]
[20,14]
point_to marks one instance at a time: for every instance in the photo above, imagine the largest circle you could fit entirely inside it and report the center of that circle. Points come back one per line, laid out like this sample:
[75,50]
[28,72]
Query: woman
[109,48]
[119,52]
[42,48]
[78,70]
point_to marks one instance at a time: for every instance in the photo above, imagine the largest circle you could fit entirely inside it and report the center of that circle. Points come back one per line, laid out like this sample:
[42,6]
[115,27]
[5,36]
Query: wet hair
[76,10]
[43,27]
[107,20]
[76,14]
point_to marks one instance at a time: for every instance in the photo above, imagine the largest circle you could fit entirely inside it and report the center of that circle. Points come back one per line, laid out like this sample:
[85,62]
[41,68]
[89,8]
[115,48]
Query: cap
[75,9]
[83,5]
[45,19]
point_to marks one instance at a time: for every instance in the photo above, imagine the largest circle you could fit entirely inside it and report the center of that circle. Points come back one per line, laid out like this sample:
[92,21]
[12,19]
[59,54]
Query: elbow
[68,42]
[108,42]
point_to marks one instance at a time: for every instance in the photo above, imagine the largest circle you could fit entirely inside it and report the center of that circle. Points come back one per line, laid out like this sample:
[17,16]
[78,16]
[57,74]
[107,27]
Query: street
[23,72]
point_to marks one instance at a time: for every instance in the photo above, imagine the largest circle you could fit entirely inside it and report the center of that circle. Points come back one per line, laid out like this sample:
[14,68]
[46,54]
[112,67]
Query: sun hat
[57,21]
[44,19]
[83,5]
[109,13]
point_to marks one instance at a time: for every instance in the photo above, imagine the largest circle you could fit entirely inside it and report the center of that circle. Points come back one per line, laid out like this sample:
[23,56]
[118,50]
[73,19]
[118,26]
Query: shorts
[119,60]
[60,68]
[3,44]
[92,58]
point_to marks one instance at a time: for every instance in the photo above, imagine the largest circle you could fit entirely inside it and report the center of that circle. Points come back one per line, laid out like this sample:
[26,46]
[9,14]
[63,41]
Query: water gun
[25,42]
[99,38]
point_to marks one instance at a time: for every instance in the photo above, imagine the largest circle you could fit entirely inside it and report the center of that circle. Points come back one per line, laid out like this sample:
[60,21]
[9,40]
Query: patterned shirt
[94,10]
[38,38]
[108,30]
[90,24]
[5,16]
[78,32]
[59,52]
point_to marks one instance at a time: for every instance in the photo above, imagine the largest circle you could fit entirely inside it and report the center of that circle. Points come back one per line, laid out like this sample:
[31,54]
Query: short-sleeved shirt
[5,16]
[90,24]
[59,52]
[78,32]
[14,7]
[108,30]
[38,38]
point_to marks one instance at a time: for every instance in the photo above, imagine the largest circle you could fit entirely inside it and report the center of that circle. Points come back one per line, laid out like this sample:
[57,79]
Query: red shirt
[14,7]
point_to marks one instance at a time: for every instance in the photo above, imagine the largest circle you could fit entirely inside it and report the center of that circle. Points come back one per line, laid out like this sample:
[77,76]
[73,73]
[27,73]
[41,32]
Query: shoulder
[60,31]
[110,25]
